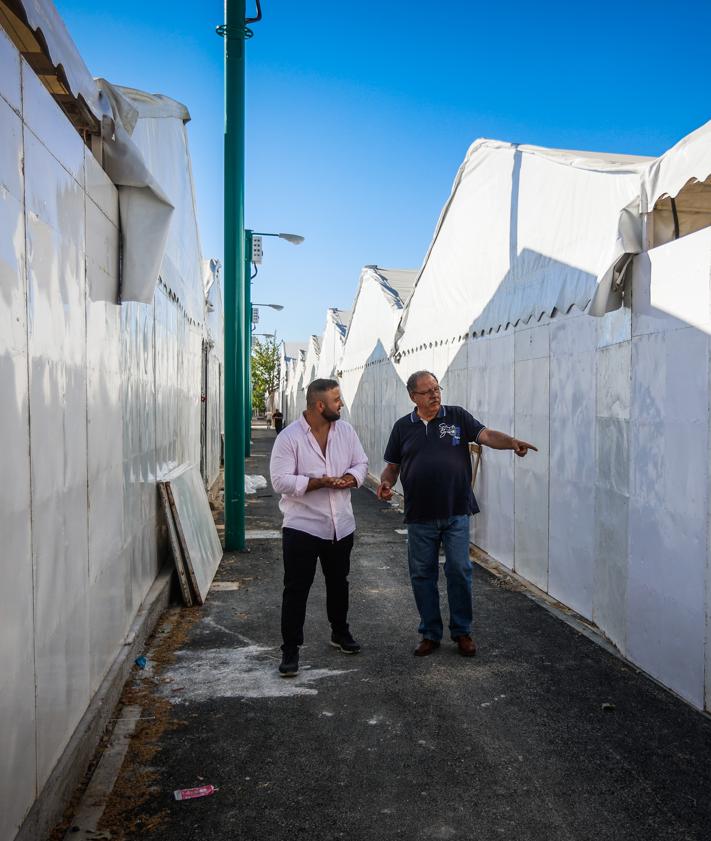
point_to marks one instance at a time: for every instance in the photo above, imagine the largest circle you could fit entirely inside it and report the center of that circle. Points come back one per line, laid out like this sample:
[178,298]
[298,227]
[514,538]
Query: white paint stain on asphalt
[262,534]
[496,698]
[246,672]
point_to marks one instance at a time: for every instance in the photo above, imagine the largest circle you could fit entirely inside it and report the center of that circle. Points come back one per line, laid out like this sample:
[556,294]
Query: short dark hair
[317,389]
[412,380]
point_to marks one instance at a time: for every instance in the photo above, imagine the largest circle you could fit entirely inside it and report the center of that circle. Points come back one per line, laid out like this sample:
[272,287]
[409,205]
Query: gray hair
[413,379]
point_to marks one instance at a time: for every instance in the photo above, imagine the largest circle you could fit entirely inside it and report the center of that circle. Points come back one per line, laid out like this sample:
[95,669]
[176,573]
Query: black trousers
[301,551]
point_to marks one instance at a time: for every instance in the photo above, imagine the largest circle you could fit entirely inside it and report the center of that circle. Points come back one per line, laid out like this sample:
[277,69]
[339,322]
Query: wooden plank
[175,546]
[475,453]
[199,540]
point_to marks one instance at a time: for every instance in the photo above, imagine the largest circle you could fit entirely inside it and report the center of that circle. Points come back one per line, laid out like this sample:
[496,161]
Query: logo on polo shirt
[454,431]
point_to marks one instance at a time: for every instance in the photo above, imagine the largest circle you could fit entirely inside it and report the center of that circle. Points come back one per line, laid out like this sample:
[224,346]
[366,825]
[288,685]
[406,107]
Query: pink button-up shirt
[296,458]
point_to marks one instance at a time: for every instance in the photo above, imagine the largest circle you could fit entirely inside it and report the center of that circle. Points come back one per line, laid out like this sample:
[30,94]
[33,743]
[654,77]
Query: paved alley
[544,735]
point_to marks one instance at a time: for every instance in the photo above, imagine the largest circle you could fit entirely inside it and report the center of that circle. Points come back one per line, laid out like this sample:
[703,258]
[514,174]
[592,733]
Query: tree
[265,371]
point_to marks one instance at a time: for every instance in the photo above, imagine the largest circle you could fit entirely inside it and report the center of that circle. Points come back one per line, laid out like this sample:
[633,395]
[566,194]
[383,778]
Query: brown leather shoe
[426,647]
[466,646]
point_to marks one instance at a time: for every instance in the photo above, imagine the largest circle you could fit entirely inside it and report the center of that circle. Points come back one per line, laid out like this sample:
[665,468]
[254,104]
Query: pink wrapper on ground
[190,793]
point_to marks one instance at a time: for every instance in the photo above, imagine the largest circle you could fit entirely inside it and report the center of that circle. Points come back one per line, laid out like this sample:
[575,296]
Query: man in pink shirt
[315,462]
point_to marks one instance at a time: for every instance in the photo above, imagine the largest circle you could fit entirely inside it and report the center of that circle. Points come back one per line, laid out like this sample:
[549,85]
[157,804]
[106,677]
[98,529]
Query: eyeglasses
[431,392]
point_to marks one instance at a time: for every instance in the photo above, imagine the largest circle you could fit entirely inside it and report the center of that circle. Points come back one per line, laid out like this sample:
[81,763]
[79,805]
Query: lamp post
[235,32]
[249,258]
[235,368]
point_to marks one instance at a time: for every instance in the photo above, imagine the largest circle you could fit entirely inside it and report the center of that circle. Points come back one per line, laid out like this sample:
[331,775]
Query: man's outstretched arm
[501,441]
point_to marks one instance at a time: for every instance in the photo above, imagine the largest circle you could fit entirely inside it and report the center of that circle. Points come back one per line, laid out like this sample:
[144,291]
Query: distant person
[268,418]
[315,462]
[278,419]
[428,449]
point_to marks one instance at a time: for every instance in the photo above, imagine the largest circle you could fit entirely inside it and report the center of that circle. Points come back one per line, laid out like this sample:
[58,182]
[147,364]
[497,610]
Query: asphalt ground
[543,735]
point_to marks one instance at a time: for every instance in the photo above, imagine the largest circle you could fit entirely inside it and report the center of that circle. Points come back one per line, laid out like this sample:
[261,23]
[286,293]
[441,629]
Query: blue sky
[359,112]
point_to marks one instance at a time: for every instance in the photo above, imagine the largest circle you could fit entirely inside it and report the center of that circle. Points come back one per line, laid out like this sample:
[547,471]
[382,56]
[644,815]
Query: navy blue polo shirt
[435,465]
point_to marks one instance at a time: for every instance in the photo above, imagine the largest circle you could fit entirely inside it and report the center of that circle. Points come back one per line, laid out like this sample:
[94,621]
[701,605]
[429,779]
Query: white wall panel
[532,423]
[615,327]
[573,341]
[57,349]
[78,372]
[10,73]
[454,358]
[645,317]
[669,509]
[681,279]
[612,490]
[17,687]
[491,400]
[214,418]
[139,446]
[50,126]
[167,374]
[191,392]
[109,583]
[101,190]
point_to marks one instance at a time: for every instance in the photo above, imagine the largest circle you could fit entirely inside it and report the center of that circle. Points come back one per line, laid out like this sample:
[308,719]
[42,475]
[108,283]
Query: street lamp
[253,254]
[294,239]
[255,312]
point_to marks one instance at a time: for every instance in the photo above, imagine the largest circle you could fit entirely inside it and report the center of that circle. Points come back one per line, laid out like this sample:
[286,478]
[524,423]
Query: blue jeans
[423,542]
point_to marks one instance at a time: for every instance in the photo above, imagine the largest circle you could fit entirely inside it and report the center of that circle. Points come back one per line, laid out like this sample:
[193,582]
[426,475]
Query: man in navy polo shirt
[428,449]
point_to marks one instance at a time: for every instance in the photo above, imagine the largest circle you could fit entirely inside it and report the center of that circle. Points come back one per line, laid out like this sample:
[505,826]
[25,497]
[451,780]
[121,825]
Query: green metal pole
[248,341]
[235,363]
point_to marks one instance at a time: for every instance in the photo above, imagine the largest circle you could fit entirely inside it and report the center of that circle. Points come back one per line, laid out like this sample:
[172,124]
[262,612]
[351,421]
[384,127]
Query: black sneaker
[289,665]
[345,642]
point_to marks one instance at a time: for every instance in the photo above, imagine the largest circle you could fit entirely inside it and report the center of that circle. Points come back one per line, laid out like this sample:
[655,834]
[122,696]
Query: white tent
[525,231]
[676,188]
[331,343]
[377,309]
[371,388]
[610,516]
[311,360]
[289,353]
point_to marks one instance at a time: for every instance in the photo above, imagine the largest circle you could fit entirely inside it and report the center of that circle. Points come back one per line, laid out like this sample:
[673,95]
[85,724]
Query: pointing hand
[521,447]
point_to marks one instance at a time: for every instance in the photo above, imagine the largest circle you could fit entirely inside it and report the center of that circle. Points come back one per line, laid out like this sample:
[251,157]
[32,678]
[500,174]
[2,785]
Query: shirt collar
[303,423]
[414,417]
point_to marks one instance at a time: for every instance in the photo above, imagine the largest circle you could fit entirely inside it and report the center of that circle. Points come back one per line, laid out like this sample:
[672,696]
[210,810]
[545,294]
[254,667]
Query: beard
[331,416]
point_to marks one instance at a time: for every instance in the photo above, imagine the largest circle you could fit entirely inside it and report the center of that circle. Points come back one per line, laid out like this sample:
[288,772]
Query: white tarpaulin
[675,193]
[526,230]
[676,189]
[377,308]
[53,38]
[160,234]
[331,344]
[688,161]
[146,210]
